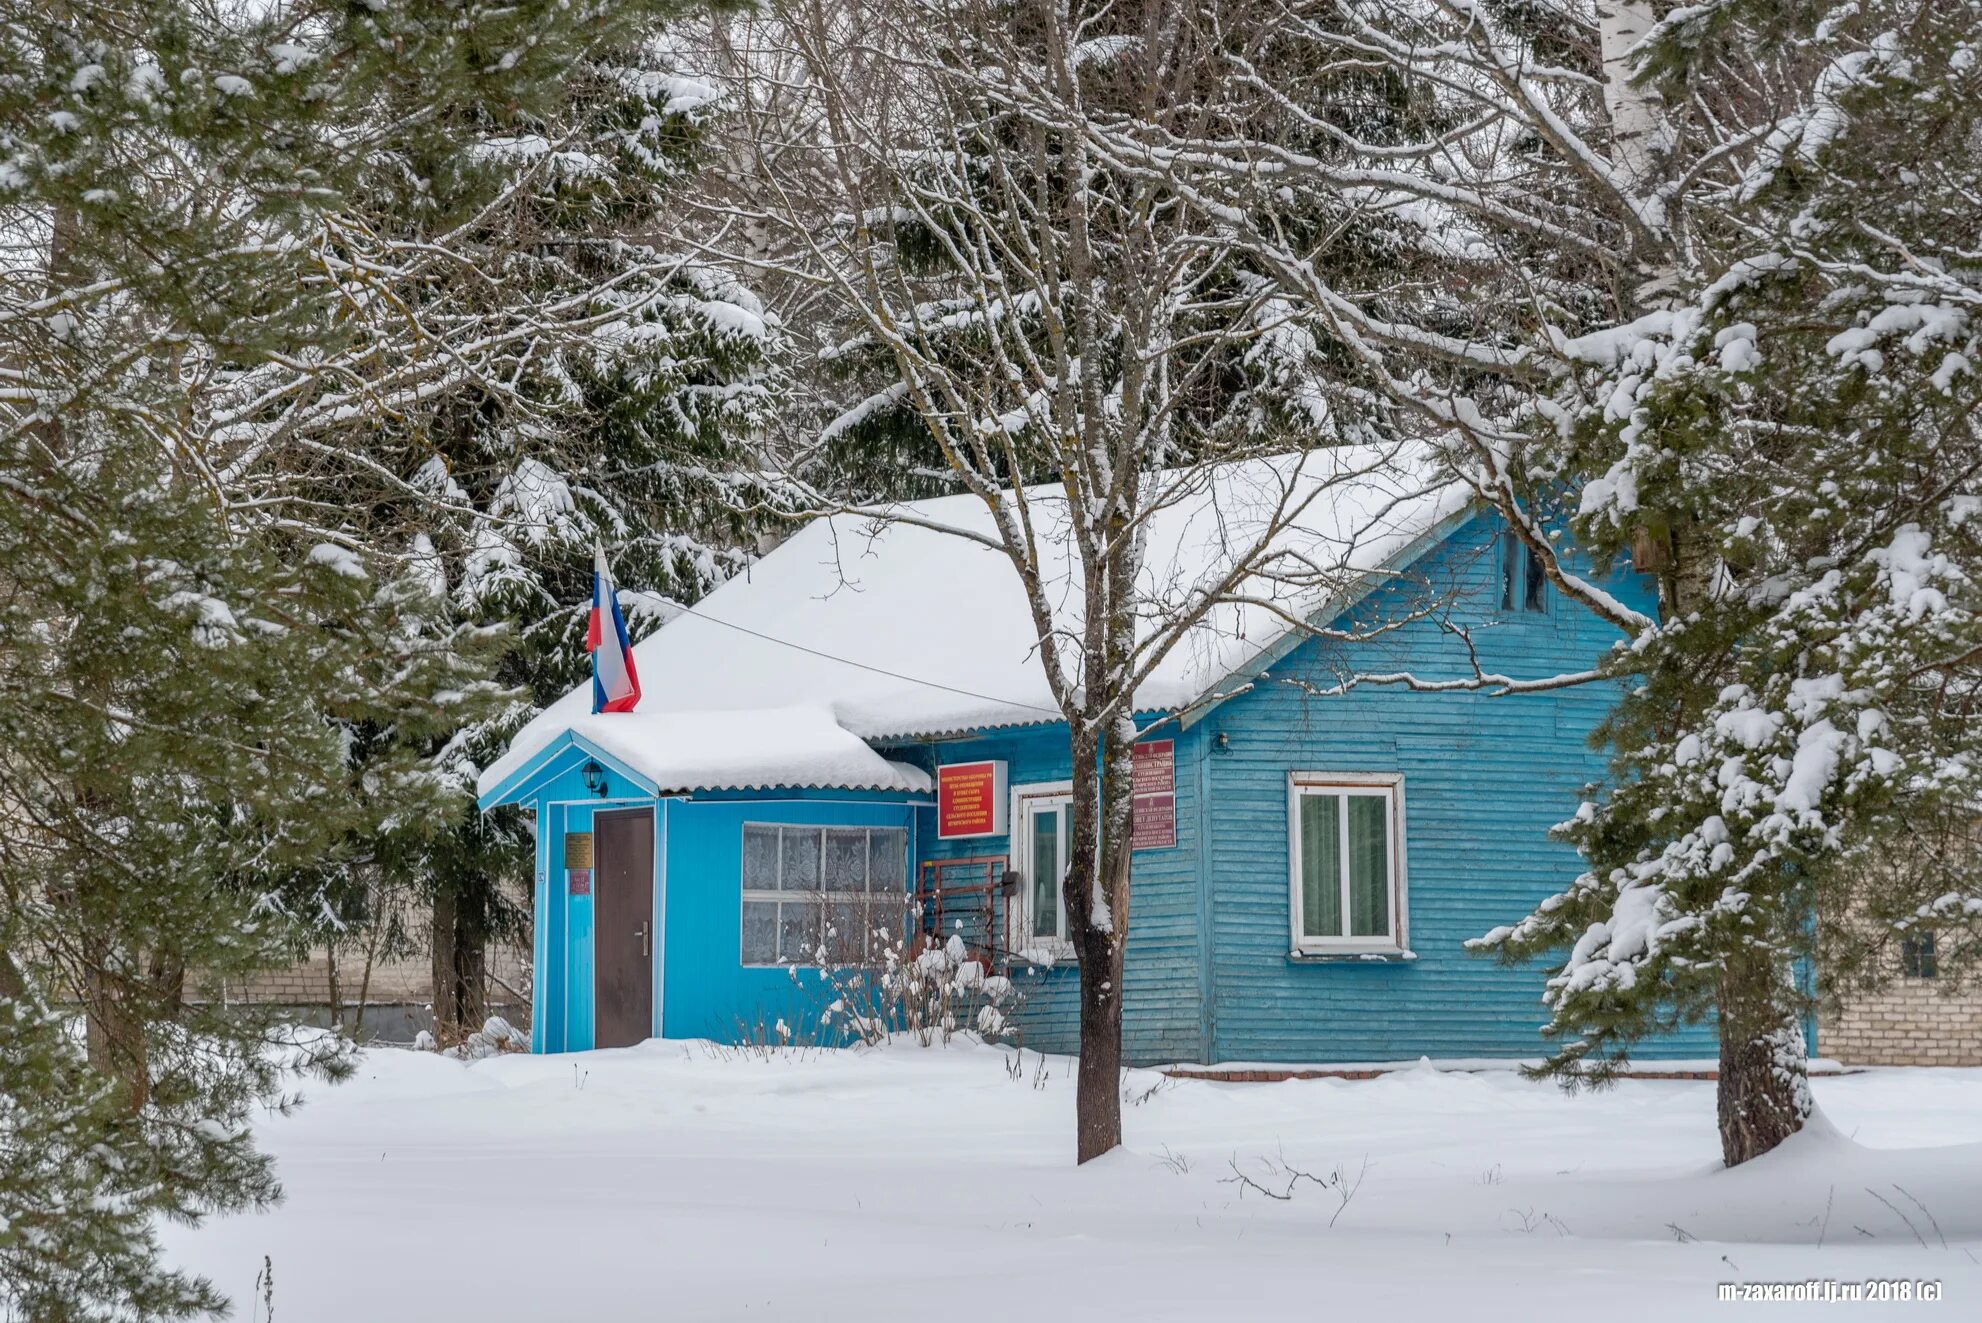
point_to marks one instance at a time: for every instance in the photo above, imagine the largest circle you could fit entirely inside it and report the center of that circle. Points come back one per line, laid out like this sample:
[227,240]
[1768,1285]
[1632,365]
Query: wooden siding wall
[1209,975]
[1164,1007]
[1484,780]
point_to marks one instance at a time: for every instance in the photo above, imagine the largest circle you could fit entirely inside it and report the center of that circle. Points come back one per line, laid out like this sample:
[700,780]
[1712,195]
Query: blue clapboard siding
[1164,1001]
[1484,780]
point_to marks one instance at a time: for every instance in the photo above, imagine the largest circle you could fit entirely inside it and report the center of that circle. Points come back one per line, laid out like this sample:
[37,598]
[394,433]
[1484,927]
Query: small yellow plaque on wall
[578,849]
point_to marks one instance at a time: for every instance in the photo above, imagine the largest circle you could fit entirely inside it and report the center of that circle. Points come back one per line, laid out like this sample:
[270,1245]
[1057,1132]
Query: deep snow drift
[681,1181]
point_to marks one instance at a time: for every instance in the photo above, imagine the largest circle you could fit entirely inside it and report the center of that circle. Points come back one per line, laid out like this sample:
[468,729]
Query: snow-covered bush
[494,1038]
[920,987]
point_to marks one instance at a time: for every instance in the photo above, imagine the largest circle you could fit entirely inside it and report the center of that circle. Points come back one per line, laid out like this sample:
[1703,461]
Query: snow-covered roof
[747,750]
[897,629]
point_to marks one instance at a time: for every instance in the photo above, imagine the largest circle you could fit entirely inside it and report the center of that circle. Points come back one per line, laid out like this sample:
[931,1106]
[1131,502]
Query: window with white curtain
[807,887]
[1346,848]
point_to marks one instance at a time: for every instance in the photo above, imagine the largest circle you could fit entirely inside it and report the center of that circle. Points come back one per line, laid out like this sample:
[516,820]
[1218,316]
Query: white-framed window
[1345,844]
[1042,822]
[808,886]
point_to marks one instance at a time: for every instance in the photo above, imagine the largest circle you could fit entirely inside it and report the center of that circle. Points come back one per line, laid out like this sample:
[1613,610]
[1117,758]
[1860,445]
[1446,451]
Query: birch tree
[1058,338]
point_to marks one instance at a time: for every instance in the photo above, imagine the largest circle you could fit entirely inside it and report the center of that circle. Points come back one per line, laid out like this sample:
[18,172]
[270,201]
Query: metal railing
[970,898]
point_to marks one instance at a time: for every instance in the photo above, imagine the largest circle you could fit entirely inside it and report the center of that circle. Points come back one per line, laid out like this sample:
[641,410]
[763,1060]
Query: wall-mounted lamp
[1222,742]
[595,777]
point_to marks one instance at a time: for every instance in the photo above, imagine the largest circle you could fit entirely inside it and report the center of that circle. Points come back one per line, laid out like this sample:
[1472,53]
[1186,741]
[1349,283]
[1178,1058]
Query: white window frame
[1388,785]
[1023,797]
[819,899]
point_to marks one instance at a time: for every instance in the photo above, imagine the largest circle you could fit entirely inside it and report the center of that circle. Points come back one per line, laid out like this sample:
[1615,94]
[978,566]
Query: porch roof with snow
[861,628]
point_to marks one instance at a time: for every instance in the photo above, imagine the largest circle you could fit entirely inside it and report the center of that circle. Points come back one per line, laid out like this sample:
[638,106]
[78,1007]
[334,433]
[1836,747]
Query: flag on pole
[615,683]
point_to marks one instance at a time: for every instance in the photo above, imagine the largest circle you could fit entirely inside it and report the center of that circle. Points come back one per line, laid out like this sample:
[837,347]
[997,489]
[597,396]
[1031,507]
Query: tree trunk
[1762,1093]
[471,991]
[372,938]
[460,996]
[1764,1090]
[334,986]
[113,1025]
[1098,1094]
[447,1023]
[114,1032]
[1096,894]
[1637,114]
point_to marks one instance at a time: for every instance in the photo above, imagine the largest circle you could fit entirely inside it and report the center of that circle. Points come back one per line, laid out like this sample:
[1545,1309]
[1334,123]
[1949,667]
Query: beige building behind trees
[390,997]
[1918,1018]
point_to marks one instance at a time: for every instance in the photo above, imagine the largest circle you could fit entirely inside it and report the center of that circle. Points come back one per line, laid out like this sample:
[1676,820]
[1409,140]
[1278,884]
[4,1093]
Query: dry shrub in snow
[874,988]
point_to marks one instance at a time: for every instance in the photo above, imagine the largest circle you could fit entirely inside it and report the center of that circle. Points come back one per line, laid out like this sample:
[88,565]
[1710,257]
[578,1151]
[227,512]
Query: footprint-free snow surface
[677,1181]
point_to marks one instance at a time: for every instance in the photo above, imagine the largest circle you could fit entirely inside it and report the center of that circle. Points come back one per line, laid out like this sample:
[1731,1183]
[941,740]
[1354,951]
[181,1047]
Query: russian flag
[615,682]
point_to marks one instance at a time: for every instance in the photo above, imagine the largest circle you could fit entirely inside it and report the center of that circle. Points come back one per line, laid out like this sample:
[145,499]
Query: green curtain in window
[1321,866]
[1369,866]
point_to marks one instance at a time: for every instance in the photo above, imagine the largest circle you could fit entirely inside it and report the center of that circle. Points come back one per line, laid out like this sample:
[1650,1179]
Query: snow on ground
[678,1181]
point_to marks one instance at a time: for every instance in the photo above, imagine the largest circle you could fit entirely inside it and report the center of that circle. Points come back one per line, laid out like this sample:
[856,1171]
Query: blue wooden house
[862,717]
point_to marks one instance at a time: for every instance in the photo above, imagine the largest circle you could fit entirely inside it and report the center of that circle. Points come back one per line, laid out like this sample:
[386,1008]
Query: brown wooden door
[623,933]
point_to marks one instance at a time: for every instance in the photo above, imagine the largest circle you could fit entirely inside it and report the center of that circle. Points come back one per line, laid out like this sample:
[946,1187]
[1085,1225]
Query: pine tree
[1598,175]
[78,1181]
[219,684]
[1808,415]
[175,711]
[628,420]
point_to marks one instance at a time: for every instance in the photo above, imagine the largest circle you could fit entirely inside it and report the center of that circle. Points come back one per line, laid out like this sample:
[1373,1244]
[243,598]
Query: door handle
[646,947]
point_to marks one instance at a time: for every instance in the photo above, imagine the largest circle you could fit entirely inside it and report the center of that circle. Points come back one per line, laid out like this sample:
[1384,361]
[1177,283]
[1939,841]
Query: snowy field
[681,1182]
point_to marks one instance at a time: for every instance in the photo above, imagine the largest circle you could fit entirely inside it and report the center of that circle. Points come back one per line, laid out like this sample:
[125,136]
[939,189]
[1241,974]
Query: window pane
[887,858]
[801,867]
[1510,564]
[1917,957]
[870,924]
[1369,865]
[798,933]
[848,929]
[760,932]
[1321,866]
[1046,872]
[846,860]
[760,858]
[1536,598]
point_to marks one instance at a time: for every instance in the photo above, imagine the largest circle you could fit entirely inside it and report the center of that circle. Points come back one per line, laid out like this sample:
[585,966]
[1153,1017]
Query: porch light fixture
[595,778]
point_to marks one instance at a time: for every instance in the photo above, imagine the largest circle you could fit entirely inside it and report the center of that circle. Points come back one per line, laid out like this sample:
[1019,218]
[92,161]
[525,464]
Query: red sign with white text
[970,800]
[1154,781]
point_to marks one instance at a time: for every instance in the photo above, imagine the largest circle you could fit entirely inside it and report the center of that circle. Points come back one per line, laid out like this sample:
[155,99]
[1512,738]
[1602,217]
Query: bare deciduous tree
[1058,337]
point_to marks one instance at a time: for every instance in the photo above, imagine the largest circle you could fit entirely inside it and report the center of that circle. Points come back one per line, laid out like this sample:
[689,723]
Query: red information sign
[1154,826]
[581,881]
[970,800]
